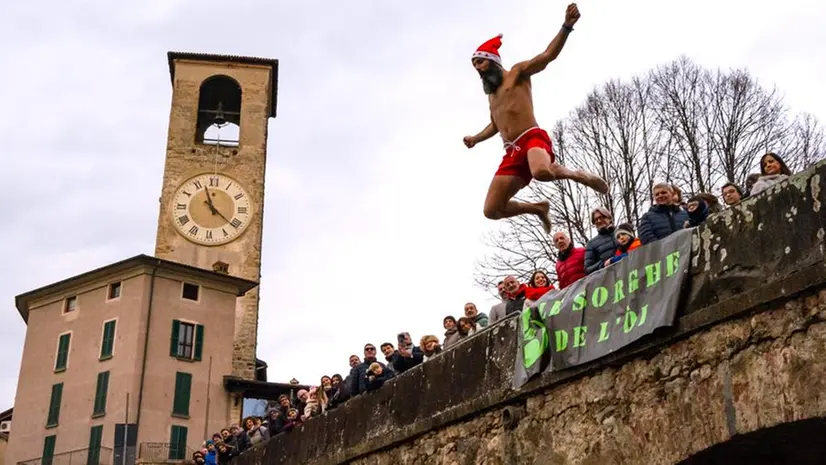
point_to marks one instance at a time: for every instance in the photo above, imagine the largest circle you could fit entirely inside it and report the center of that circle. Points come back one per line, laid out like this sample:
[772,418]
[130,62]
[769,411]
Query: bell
[220,120]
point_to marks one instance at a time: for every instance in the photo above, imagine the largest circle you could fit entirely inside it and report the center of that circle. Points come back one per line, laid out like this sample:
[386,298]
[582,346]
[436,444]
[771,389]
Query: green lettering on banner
[652,274]
[579,336]
[580,301]
[556,308]
[643,314]
[633,281]
[603,331]
[630,320]
[534,348]
[618,292]
[561,339]
[672,263]
[599,297]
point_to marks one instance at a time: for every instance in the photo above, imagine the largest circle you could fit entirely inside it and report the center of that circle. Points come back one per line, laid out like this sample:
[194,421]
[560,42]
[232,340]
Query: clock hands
[211,206]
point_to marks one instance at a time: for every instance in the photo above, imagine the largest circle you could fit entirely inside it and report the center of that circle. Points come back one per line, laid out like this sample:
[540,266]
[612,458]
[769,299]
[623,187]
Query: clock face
[211,209]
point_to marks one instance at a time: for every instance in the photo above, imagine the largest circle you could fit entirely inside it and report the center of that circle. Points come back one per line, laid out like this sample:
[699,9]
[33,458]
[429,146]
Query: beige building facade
[124,359]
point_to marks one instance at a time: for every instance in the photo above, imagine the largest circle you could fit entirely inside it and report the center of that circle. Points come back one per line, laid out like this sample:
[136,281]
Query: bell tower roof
[271,62]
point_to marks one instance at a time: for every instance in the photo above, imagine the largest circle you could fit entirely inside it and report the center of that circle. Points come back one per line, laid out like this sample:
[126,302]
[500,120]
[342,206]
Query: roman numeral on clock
[193,230]
[238,196]
[242,210]
[181,206]
[236,223]
[213,181]
[183,220]
[197,184]
[209,234]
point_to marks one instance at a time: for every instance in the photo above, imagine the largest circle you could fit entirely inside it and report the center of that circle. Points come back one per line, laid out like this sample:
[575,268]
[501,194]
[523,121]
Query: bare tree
[678,123]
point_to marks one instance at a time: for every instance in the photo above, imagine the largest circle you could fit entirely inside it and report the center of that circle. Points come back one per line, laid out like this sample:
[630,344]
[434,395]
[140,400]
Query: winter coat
[600,248]
[570,266]
[660,221]
[481,320]
[357,383]
[258,435]
[402,363]
[497,312]
[622,252]
[372,382]
[451,337]
[211,458]
[766,181]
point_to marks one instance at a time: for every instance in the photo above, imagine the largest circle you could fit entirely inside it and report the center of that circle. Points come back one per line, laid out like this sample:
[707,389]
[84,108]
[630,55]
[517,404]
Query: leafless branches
[679,123]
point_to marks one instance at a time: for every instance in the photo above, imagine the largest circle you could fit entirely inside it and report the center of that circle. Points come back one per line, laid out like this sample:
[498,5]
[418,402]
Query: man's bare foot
[595,182]
[544,217]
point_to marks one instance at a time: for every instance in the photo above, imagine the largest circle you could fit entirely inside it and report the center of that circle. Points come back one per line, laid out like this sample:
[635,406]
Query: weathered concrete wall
[749,352]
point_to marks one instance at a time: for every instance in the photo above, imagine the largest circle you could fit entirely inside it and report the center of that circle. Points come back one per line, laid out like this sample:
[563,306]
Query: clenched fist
[571,15]
[469,141]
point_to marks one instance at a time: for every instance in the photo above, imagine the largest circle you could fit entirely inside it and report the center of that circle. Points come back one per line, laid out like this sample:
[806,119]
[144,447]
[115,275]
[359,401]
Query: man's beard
[491,78]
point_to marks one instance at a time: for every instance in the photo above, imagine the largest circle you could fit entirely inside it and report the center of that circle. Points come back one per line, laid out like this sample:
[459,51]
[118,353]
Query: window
[70,304]
[62,359]
[190,291]
[187,340]
[95,440]
[48,450]
[107,343]
[101,390]
[54,405]
[183,387]
[114,290]
[177,443]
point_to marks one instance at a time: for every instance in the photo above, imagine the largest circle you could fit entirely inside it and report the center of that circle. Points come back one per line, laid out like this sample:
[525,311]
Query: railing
[98,456]
[163,452]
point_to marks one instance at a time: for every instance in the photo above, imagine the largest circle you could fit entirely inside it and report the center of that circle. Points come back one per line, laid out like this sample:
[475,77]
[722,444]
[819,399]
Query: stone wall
[748,352]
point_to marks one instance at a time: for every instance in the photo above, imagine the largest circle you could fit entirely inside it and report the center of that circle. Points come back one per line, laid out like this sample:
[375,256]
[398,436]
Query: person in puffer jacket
[626,242]
[602,246]
[663,218]
[570,261]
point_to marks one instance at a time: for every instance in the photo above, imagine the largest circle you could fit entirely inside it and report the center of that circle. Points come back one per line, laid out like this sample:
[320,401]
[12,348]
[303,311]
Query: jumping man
[528,149]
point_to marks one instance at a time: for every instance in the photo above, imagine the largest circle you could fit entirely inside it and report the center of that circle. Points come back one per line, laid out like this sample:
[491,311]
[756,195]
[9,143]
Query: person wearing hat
[528,149]
[626,242]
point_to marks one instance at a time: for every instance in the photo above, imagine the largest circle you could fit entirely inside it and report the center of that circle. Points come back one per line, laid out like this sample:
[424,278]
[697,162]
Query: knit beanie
[624,228]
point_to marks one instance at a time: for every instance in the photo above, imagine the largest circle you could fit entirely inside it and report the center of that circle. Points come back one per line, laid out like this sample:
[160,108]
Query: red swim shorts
[515,161]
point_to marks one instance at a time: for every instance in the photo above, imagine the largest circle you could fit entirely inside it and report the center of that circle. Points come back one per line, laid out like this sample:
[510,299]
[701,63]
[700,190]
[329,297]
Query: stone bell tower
[212,200]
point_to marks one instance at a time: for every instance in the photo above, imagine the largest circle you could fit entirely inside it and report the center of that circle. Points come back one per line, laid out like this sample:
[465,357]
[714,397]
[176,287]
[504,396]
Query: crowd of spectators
[668,214]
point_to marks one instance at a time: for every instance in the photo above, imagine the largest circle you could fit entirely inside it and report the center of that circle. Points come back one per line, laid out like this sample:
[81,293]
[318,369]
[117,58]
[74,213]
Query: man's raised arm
[539,62]
[489,131]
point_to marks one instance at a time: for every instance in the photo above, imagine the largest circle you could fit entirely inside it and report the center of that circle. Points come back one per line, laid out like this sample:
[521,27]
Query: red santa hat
[490,50]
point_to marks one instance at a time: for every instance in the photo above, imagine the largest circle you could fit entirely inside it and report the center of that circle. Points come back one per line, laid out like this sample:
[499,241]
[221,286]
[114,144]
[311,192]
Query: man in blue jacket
[663,218]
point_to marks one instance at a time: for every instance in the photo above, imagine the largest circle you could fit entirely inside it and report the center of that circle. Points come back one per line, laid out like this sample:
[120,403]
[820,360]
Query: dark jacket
[600,248]
[660,221]
[377,381]
[570,266]
[358,383]
[402,364]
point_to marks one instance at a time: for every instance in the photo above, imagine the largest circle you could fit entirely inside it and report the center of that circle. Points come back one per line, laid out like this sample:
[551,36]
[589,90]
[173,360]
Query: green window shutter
[199,341]
[177,443]
[183,390]
[48,450]
[108,344]
[173,347]
[63,352]
[95,439]
[54,405]
[101,391]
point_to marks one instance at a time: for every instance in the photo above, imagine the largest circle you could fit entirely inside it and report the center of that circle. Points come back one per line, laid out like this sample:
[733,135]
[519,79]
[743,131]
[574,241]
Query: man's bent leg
[544,170]
[498,203]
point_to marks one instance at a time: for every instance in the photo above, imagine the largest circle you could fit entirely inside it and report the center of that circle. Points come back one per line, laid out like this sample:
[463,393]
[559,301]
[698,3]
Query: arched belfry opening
[219,112]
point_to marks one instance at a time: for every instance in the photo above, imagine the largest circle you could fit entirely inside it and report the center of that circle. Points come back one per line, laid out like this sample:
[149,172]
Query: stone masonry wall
[748,352]
[245,163]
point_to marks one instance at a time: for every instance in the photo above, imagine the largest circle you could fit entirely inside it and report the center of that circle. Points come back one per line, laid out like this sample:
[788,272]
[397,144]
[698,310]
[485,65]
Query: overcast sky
[373,210]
